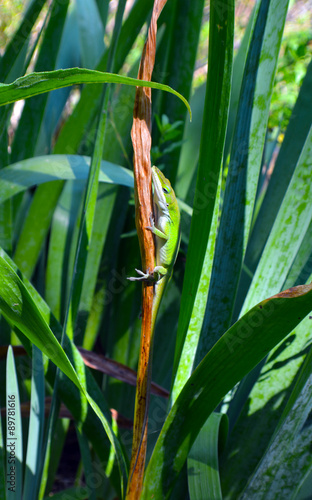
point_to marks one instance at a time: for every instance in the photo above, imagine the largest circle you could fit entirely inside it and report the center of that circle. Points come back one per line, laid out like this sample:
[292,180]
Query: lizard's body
[167,231]
[166,227]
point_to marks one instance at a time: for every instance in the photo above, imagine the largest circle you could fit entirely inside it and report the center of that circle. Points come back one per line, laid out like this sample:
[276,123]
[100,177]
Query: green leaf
[14,443]
[243,173]
[35,227]
[18,307]
[74,493]
[20,310]
[2,464]
[180,65]
[288,456]
[72,134]
[59,270]
[289,229]
[36,426]
[59,437]
[295,137]
[100,237]
[87,463]
[303,490]
[300,269]
[237,77]
[240,349]
[90,195]
[17,44]
[190,146]
[27,173]
[38,83]
[6,225]
[26,137]
[210,160]
[261,409]
[188,353]
[284,244]
[203,462]
[91,33]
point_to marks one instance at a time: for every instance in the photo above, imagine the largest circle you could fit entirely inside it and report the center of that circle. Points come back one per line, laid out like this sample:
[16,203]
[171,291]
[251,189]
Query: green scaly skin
[167,231]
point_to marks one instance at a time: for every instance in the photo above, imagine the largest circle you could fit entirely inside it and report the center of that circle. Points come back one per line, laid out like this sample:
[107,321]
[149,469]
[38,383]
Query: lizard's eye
[166,190]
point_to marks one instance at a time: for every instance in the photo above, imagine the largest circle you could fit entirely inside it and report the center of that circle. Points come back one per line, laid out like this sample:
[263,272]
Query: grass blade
[295,137]
[237,77]
[35,228]
[58,270]
[186,362]
[25,137]
[287,235]
[289,229]
[203,463]
[87,463]
[19,309]
[301,267]
[287,458]
[91,33]
[20,39]
[2,465]
[72,397]
[25,174]
[107,197]
[36,424]
[72,134]
[14,444]
[190,147]
[237,352]
[243,173]
[38,83]
[180,64]
[212,142]
[90,197]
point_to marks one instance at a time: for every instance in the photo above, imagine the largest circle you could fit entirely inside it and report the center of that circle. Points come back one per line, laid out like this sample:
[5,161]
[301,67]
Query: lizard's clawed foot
[143,276]
[152,224]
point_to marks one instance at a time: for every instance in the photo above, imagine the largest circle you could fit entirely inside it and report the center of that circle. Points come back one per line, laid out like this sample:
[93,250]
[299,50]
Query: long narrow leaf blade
[20,310]
[203,463]
[26,137]
[240,349]
[243,173]
[288,456]
[284,243]
[2,464]
[20,38]
[289,229]
[35,228]
[38,83]
[210,160]
[27,173]
[295,137]
[14,444]
[36,424]
[69,393]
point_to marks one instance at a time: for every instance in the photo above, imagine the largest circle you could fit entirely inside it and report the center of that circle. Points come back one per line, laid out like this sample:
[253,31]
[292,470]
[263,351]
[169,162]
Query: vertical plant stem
[141,140]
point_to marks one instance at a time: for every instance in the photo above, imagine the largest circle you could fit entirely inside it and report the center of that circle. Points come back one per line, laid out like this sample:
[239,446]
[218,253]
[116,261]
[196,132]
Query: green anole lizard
[166,227]
[167,230]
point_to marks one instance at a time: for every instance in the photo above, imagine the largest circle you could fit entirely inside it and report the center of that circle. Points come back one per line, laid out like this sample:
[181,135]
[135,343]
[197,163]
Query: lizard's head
[164,196]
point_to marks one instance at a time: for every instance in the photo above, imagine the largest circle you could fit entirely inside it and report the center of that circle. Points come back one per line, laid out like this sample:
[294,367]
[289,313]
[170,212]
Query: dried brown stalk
[141,140]
[100,363]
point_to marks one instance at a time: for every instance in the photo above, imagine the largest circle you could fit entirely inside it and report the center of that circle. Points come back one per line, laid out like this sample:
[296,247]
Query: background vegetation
[242,172]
